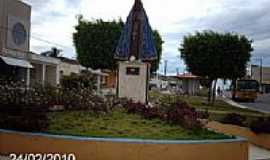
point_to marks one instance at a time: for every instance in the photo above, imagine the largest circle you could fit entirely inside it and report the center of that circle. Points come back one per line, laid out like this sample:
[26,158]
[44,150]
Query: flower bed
[179,113]
[28,110]
[120,124]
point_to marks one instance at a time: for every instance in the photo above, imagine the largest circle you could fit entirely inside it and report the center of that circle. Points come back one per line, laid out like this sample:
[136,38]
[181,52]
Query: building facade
[190,83]
[183,83]
[261,75]
[16,60]
[70,66]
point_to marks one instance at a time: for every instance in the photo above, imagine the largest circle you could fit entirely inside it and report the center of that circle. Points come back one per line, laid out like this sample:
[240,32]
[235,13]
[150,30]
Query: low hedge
[179,113]
[234,118]
[24,118]
[78,81]
[262,125]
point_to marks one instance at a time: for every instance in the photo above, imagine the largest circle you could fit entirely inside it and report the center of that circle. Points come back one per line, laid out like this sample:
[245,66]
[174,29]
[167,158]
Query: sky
[53,23]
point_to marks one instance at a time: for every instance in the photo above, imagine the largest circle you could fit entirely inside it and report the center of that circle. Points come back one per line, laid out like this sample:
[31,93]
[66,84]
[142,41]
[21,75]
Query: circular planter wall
[262,140]
[122,149]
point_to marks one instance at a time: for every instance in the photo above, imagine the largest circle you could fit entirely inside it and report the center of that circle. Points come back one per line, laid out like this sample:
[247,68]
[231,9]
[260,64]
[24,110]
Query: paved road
[261,104]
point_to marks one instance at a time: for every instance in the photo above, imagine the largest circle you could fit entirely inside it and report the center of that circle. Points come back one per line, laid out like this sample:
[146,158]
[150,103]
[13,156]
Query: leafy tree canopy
[96,41]
[158,42]
[216,55]
[213,55]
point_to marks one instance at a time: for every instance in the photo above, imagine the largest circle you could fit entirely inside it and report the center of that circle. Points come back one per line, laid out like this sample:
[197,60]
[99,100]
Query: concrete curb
[230,102]
[234,103]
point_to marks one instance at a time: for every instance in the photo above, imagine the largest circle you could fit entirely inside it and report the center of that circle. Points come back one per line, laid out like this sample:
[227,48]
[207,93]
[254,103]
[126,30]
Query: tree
[54,52]
[158,42]
[215,55]
[96,41]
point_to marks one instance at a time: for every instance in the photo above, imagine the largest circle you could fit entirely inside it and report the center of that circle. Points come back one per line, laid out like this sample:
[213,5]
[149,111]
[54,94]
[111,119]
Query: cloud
[247,17]
[55,20]
[254,22]
[53,24]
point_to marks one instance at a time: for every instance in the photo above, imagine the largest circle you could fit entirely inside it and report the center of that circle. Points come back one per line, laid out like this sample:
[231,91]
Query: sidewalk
[257,153]
[231,102]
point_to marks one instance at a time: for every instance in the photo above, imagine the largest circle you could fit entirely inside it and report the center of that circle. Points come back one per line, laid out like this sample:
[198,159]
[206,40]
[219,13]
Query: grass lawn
[200,103]
[217,111]
[121,125]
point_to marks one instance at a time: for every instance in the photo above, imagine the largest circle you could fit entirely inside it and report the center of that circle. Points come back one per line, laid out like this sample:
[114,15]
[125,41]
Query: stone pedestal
[133,81]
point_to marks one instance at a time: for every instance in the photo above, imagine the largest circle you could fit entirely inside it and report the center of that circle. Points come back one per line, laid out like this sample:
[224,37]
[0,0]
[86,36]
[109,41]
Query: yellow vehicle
[247,90]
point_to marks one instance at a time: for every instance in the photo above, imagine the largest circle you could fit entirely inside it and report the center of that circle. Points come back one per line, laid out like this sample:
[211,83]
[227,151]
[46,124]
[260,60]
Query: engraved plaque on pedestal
[133,81]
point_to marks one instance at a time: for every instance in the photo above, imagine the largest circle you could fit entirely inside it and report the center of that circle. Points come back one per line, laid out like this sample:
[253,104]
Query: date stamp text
[34,156]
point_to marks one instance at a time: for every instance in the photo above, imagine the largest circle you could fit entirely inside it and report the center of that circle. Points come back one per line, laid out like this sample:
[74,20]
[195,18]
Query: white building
[158,81]
[16,60]
[70,66]
[261,75]
[190,84]
[183,83]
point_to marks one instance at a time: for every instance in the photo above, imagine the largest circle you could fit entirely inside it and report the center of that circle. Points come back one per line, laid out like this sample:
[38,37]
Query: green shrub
[202,93]
[25,109]
[179,113]
[262,125]
[24,118]
[234,119]
[16,93]
[74,81]
[204,114]
[74,96]
[83,99]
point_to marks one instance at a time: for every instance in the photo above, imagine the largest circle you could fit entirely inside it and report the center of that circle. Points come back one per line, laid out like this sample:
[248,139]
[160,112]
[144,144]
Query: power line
[46,41]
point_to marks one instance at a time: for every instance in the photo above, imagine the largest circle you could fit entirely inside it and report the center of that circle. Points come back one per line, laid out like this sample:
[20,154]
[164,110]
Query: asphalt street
[261,104]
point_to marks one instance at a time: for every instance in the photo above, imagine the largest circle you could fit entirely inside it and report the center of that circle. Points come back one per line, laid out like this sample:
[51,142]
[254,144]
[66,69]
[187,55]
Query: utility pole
[261,70]
[165,67]
[261,74]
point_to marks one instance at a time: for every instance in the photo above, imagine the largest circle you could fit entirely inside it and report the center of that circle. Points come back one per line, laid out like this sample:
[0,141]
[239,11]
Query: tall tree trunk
[214,92]
[210,91]
[233,89]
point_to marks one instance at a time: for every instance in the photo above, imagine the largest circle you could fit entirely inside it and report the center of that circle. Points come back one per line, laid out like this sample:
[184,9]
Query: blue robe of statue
[145,45]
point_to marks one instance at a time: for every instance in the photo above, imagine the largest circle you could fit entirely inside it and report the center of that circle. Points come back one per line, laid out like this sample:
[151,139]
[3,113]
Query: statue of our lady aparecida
[134,51]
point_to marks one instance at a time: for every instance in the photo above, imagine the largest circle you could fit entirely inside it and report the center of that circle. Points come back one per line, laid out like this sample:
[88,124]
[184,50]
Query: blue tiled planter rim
[124,140]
